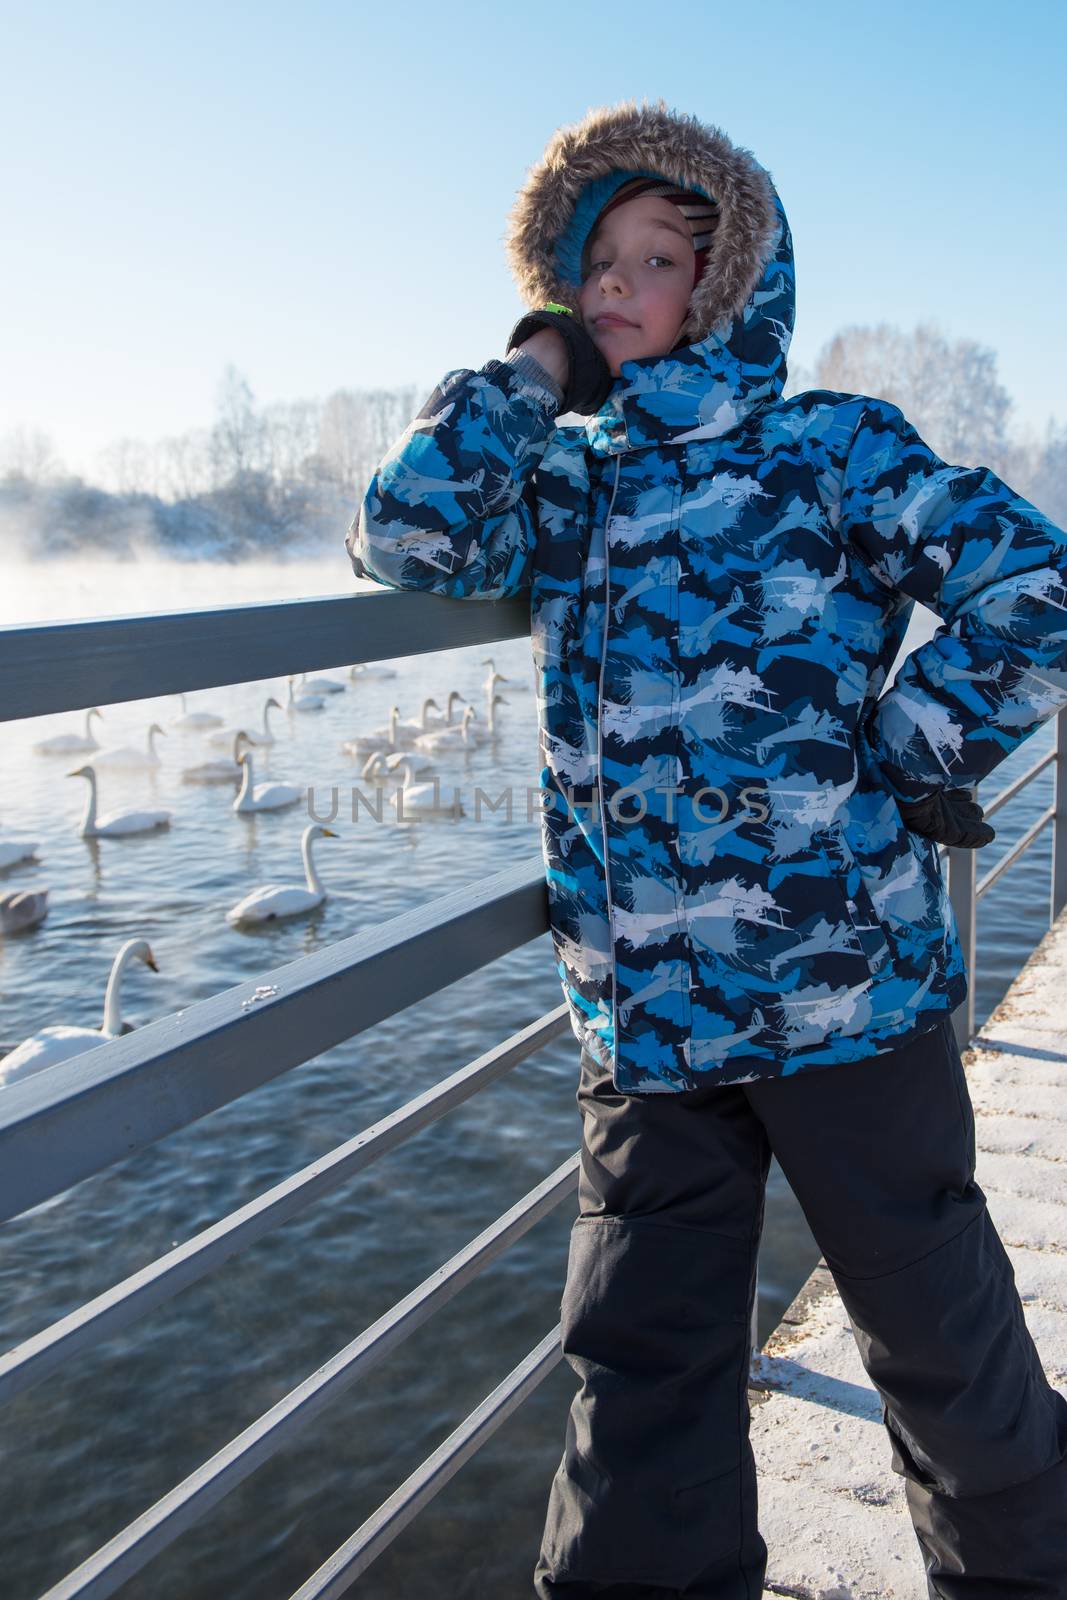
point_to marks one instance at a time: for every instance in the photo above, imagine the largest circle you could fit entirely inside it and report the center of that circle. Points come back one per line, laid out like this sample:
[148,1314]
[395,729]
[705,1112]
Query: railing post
[1059,822]
[962,880]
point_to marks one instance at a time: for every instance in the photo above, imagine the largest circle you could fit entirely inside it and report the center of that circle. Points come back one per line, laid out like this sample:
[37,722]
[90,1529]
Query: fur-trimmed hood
[731,355]
[585,163]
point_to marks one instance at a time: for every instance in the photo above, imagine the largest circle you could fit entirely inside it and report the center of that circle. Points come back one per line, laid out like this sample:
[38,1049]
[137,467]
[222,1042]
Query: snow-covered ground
[831,1511]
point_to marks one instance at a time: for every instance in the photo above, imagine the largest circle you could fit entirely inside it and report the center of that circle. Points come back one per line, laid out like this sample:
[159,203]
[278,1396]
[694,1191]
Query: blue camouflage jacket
[719,582]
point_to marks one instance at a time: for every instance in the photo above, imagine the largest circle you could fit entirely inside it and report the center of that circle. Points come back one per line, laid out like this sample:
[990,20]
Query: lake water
[90,1448]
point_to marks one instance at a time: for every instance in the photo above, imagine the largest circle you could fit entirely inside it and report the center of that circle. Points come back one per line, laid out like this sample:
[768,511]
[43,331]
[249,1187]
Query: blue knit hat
[611,189]
[701,214]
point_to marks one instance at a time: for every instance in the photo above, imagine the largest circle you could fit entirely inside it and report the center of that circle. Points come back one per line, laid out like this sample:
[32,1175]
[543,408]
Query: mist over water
[66,590]
[113,1431]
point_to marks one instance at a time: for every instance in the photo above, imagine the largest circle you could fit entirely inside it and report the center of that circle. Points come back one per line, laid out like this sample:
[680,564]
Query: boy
[753,932]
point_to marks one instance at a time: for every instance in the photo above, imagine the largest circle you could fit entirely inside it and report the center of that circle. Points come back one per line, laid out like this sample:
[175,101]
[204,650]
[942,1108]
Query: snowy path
[831,1511]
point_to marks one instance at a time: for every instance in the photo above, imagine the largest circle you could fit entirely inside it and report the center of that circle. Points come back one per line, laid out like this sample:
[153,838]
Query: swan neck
[113,994]
[89,819]
[312,878]
[246,780]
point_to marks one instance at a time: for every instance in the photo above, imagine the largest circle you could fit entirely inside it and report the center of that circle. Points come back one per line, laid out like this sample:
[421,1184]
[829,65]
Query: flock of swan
[399,750]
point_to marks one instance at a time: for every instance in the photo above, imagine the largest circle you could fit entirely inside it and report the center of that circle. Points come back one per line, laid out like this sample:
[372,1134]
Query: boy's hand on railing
[572,357]
[950,816]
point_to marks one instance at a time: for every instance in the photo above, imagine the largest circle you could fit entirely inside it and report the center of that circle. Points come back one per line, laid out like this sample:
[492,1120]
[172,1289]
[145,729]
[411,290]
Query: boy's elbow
[408,558]
[370,557]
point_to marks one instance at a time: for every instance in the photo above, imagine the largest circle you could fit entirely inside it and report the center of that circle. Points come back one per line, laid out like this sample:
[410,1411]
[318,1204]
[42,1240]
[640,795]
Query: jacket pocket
[791,942]
[847,873]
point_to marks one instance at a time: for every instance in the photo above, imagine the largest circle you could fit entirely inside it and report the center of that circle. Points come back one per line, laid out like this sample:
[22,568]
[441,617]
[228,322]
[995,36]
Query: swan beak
[150,962]
[79,772]
[328,833]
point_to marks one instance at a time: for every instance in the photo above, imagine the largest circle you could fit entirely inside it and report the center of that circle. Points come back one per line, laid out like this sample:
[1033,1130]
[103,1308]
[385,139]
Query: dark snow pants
[655,1497]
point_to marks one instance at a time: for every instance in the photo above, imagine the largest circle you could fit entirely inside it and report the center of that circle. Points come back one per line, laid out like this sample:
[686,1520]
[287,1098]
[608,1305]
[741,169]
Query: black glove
[589,379]
[951,817]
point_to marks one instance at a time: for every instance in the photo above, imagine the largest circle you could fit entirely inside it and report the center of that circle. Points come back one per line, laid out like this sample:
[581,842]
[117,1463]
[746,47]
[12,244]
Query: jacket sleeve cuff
[534,373]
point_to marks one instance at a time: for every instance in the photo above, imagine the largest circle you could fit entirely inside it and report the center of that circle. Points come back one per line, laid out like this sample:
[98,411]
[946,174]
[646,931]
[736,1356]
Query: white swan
[419,769]
[303,702]
[408,728]
[483,735]
[14,850]
[383,739]
[370,669]
[129,757]
[62,744]
[453,696]
[380,765]
[255,796]
[493,677]
[217,771]
[275,900]
[54,1044]
[450,738]
[116,824]
[224,737]
[196,719]
[22,908]
[422,799]
[374,769]
[320,685]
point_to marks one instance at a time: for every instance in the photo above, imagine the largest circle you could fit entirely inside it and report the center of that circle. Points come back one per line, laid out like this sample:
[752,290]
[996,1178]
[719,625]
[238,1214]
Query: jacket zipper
[600,763]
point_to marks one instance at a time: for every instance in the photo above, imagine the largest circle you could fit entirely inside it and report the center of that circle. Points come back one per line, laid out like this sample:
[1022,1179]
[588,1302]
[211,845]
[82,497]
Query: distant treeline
[249,516]
[279,480]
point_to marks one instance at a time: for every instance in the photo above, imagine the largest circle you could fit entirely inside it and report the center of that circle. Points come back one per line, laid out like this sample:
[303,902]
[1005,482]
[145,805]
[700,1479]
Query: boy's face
[640,272]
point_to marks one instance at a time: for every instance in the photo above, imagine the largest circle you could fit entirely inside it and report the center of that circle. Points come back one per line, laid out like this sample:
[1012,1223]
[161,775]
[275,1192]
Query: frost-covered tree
[236,442]
[129,467]
[358,426]
[1046,473]
[27,456]
[948,389]
[183,465]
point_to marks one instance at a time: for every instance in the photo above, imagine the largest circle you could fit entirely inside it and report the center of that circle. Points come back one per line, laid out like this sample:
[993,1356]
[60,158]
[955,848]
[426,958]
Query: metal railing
[59,1127]
[965,888]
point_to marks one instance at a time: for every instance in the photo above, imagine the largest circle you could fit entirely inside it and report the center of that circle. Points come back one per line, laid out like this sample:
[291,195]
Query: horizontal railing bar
[1018,783]
[131,1549]
[1014,853]
[60,1126]
[336,1576]
[67,666]
[156,1283]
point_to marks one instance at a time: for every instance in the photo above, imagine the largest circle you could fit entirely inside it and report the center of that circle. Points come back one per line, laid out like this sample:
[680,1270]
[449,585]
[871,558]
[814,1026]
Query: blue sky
[318,194]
